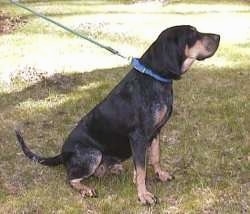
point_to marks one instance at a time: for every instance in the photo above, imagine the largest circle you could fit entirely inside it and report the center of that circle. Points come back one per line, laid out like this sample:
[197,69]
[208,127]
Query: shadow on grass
[47,110]
[60,84]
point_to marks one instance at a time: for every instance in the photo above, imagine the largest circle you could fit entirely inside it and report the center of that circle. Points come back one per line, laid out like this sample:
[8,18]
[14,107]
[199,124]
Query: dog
[128,121]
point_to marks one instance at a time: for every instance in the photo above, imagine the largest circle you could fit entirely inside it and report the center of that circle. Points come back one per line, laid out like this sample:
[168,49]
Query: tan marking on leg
[100,171]
[155,160]
[116,169]
[82,189]
[134,176]
[144,195]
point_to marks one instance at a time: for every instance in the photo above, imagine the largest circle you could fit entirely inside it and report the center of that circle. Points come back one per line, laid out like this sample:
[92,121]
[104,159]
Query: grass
[205,144]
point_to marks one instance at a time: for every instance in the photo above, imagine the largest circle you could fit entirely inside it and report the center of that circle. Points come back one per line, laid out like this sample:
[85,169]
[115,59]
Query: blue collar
[141,68]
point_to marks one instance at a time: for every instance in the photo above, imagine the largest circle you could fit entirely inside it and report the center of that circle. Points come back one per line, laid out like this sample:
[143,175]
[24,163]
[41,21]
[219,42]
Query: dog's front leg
[154,160]
[138,147]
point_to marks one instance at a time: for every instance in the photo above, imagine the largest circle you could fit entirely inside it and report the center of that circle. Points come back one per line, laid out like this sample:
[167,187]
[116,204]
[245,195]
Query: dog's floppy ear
[165,56]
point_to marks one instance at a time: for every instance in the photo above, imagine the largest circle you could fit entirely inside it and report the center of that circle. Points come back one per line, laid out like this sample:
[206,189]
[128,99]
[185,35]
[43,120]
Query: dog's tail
[53,161]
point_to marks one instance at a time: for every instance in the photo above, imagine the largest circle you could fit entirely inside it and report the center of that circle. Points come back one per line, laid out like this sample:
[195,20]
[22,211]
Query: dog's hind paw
[88,192]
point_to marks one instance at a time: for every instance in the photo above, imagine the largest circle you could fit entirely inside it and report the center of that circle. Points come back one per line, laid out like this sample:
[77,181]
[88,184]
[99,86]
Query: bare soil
[10,23]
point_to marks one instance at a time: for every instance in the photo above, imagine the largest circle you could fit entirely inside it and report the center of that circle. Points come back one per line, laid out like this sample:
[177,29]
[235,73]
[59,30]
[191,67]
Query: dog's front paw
[147,198]
[164,176]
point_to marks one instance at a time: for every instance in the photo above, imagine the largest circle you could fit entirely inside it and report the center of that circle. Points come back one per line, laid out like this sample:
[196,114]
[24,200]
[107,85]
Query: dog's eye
[192,37]
[193,32]
[193,29]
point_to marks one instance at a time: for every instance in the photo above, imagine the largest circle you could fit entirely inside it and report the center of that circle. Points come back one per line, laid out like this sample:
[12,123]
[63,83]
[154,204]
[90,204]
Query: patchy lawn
[46,88]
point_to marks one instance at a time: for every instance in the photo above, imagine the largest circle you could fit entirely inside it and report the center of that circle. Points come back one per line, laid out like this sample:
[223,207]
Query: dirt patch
[10,23]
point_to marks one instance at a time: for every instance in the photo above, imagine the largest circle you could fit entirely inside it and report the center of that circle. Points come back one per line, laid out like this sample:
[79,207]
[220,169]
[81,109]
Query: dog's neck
[159,67]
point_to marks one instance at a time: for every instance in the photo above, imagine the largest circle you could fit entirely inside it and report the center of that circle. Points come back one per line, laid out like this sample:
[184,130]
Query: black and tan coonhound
[128,121]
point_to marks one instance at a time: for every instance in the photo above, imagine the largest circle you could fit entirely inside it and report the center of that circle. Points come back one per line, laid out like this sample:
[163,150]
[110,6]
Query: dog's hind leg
[82,164]
[109,165]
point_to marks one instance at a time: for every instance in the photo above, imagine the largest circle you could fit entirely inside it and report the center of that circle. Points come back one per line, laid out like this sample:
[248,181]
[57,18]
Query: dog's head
[177,48]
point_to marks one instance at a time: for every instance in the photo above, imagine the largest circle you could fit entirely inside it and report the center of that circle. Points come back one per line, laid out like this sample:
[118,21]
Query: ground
[9,23]
[50,78]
